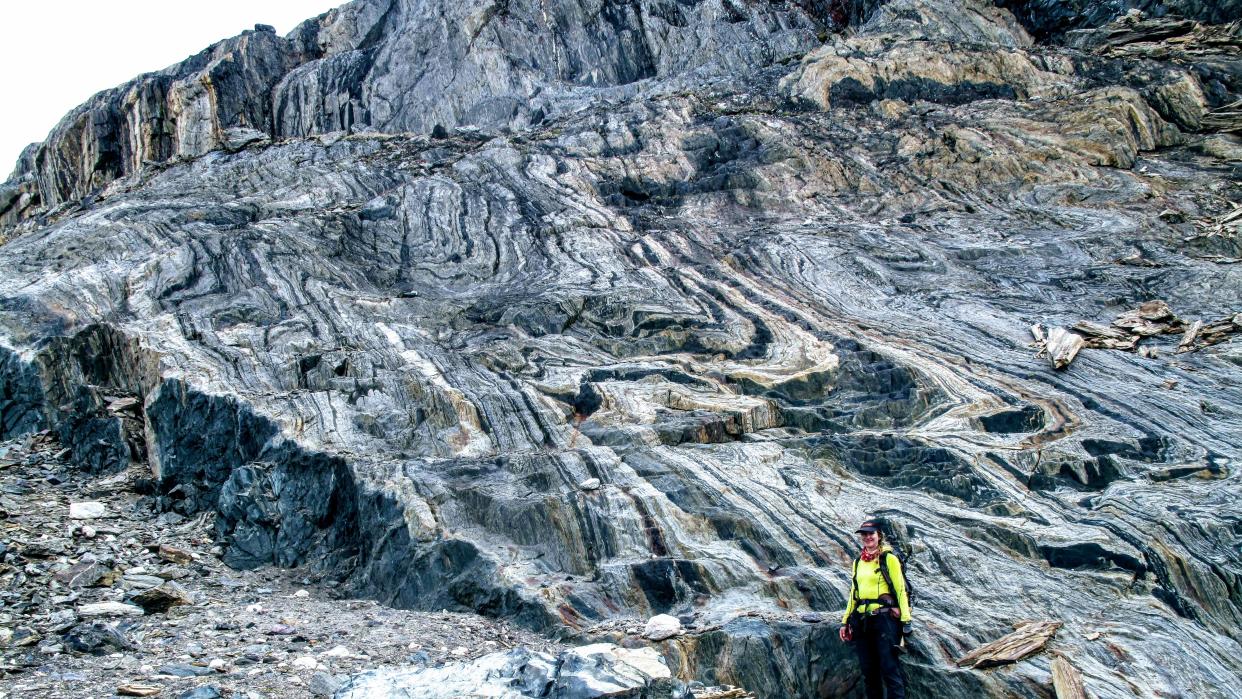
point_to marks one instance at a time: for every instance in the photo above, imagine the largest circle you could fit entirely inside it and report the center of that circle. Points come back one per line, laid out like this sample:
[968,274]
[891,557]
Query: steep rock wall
[756,307]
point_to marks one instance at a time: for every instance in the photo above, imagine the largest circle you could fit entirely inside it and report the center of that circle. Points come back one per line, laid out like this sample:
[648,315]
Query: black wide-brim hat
[868,526]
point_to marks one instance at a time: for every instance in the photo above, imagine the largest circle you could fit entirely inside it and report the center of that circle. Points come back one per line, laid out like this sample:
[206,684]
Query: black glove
[907,629]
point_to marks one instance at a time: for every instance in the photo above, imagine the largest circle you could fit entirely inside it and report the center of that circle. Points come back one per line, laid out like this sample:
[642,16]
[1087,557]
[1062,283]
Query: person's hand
[895,612]
[846,634]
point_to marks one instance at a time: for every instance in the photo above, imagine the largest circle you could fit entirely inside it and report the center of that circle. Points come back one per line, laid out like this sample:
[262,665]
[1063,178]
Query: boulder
[662,626]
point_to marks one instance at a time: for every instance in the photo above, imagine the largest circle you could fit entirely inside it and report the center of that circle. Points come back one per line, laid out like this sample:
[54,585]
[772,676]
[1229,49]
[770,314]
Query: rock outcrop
[387,293]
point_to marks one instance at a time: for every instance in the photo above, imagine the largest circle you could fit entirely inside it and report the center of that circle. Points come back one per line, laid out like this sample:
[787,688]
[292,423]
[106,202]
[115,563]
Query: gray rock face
[755,299]
[400,66]
[1050,18]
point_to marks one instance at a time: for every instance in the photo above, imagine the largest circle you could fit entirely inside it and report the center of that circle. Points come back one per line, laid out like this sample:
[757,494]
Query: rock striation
[578,313]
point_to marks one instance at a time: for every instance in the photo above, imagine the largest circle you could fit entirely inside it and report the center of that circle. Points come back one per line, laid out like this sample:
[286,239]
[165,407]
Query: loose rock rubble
[1151,319]
[131,604]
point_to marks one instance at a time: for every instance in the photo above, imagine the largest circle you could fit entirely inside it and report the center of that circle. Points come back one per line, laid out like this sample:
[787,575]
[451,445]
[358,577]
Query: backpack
[905,574]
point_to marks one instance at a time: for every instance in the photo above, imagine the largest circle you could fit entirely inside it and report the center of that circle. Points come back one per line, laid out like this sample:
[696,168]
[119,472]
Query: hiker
[878,614]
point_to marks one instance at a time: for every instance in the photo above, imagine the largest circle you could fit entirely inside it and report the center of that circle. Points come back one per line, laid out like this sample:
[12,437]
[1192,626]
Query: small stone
[141,582]
[163,597]
[89,532]
[82,575]
[300,594]
[590,484]
[62,620]
[281,630]
[812,618]
[218,664]
[137,690]
[207,691]
[110,609]
[306,662]
[662,626]
[172,554]
[173,573]
[459,651]
[86,510]
[169,519]
[338,652]
[184,670]
[24,636]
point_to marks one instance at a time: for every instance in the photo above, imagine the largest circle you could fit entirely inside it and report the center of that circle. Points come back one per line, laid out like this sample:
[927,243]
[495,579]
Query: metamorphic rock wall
[392,288]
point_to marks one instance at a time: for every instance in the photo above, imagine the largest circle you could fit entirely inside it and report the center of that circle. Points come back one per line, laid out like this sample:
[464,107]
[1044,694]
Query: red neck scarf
[869,556]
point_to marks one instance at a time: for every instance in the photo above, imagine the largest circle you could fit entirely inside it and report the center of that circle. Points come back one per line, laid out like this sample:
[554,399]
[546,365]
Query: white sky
[55,54]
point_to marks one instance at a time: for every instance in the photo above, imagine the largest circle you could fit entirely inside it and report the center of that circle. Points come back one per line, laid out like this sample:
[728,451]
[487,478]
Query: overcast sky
[54,54]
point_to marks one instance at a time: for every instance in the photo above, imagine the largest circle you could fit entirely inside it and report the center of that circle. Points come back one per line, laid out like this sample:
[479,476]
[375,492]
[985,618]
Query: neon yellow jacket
[871,585]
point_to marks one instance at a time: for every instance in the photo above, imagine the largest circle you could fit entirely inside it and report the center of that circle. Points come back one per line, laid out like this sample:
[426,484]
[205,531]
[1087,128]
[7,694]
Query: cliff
[577,312]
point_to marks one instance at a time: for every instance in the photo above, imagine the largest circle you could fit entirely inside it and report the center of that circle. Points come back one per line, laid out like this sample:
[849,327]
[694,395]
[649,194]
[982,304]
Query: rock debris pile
[102,597]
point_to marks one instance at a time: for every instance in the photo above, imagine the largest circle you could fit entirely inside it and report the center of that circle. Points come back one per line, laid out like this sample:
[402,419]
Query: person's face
[869,539]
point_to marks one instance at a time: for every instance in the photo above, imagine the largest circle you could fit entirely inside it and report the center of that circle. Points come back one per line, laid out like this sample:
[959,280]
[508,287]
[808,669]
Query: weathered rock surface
[432,267]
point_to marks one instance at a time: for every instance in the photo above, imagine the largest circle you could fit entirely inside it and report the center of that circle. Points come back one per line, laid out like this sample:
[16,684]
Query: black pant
[875,640]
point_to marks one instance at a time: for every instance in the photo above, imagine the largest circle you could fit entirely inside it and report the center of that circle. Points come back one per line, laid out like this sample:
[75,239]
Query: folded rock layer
[580,312]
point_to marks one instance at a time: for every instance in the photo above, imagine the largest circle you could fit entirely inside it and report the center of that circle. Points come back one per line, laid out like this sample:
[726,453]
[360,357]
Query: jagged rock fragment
[1188,339]
[1066,679]
[172,554]
[1151,318]
[96,639]
[1103,337]
[161,598]
[1212,333]
[1062,347]
[23,636]
[87,510]
[322,684]
[110,609]
[84,575]
[662,626]
[1030,637]
[184,670]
